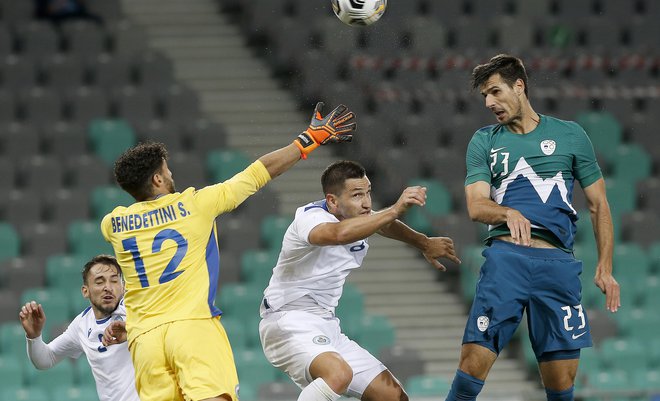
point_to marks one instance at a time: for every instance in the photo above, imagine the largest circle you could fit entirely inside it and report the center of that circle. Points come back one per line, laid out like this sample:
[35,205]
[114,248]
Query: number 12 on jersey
[131,245]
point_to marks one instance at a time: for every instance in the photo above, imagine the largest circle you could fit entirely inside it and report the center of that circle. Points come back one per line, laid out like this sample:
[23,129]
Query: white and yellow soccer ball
[359,12]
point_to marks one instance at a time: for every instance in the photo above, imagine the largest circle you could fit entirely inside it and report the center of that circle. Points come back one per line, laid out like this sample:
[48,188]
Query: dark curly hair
[135,167]
[336,174]
[509,67]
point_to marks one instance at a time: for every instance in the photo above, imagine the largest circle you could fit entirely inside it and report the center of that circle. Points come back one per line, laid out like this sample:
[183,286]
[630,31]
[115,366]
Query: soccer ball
[359,12]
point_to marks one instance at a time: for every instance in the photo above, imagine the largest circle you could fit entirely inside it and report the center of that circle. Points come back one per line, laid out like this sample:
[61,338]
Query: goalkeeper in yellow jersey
[166,245]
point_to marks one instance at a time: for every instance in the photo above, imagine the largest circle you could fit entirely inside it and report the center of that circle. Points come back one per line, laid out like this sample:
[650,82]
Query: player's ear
[85,291]
[331,201]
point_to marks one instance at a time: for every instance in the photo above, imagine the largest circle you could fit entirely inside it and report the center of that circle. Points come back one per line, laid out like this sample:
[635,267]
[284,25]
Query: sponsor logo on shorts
[548,147]
[321,340]
[576,336]
[482,323]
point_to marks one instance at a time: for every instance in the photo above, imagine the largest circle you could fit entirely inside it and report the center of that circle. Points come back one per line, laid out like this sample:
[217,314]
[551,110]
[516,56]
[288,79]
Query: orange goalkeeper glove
[337,126]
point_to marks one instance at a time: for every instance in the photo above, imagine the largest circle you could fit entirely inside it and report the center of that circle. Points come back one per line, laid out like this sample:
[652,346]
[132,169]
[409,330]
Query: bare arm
[432,248]
[360,227]
[279,161]
[601,220]
[483,209]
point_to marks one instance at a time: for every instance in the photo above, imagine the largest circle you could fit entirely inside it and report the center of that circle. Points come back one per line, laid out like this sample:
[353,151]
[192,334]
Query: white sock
[318,390]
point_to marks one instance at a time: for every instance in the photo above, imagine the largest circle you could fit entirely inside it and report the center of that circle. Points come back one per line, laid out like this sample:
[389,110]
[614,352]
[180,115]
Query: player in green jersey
[520,177]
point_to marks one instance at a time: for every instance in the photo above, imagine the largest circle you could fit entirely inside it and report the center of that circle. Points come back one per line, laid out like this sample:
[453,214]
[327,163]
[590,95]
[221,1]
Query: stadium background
[220,82]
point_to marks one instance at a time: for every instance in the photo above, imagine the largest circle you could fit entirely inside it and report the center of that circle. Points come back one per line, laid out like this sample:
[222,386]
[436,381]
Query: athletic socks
[464,387]
[318,390]
[566,395]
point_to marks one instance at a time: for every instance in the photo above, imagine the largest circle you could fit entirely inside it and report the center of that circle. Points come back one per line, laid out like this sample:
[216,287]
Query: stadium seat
[42,174]
[109,138]
[85,239]
[86,104]
[374,333]
[351,303]
[104,199]
[41,105]
[84,37]
[632,262]
[159,131]
[472,260]
[111,71]
[273,228]
[235,332]
[9,304]
[204,135]
[438,204]
[65,205]
[11,242]
[641,227]
[69,393]
[257,267]
[83,373]
[12,339]
[77,302]
[253,368]
[47,380]
[18,73]
[41,239]
[38,39]
[22,207]
[654,257]
[427,386]
[621,195]
[224,164]
[628,355]
[632,164]
[237,234]
[63,139]
[187,169]
[11,370]
[180,104]
[19,140]
[87,171]
[65,272]
[21,273]
[604,131]
[278,390]
[24,394]
[239,300]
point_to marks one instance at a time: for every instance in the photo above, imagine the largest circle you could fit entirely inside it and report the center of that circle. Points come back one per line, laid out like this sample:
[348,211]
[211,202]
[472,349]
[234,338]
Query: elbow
[474,216]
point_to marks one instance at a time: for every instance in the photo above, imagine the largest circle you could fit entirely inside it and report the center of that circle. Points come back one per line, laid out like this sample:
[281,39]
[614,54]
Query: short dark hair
[334,176]
[509,67]
[107,260]
[135,167]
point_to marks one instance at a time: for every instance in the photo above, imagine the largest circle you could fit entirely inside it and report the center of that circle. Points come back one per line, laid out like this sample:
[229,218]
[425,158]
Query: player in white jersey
[112,367]
[327,239]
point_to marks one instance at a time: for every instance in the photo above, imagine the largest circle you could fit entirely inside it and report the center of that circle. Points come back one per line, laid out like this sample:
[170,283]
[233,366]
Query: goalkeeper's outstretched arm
[336,126]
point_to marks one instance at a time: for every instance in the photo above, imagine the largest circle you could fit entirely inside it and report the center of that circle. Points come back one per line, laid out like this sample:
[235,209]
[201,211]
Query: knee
[339,377]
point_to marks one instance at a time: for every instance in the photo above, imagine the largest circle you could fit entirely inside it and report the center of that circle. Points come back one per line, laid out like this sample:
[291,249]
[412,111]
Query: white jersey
[303,269]
[111,366]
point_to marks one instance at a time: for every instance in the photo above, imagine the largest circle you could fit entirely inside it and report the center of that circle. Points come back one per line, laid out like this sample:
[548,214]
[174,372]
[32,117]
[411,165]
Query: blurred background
[221,82]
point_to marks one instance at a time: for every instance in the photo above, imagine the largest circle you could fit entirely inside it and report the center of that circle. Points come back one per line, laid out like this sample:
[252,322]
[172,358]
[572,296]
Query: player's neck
[527,122]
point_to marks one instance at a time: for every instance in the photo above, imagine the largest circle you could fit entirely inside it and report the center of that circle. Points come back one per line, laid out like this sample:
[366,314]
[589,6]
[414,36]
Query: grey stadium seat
[66,205]
[19,141]
[64,139]
[41,174]
[42,240]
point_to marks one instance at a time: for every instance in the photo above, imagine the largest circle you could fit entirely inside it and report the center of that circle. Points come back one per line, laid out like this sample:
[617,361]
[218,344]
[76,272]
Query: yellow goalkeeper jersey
[168,251]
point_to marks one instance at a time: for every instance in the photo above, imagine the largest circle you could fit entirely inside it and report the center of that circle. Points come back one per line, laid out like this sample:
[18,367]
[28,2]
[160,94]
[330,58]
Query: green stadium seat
[55,304]
[68,393]
[24,394]
[11,369]
[654,258]
[626,354]
[65,271]
[104,199]
[470,269]
[375,333]
[273,228]
[109,138]
[61,374]
[608,380]
[83,373]
[235,330]
[351,303]
[438,204]
[239,300]
[622,196]
[77,303]
[427,386]
[12,340]
[11,242]
[649,380]
[604,130]
[224,164]
[253,369]
[257,267]
[632,163]
[85,239]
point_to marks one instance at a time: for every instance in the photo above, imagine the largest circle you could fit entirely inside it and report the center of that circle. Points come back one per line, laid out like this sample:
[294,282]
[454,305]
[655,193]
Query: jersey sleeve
[105,227]
[585,166]
[226,196]
[45,356]
[307,220]
[476,160]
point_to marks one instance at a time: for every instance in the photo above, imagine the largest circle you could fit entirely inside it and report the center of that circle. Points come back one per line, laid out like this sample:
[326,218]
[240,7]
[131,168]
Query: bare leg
[333,369]
[476,360]
[559,375]
[385,387]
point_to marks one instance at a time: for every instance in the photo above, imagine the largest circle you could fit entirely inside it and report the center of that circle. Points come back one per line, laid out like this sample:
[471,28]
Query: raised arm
[483,209]
[360,227]
[336,126]
[601,219]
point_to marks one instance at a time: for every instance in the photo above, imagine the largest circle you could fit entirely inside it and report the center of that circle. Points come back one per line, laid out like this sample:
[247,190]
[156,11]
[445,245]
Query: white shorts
[292,339]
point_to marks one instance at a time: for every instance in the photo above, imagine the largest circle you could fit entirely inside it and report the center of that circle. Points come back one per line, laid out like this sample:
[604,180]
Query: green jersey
[534,173]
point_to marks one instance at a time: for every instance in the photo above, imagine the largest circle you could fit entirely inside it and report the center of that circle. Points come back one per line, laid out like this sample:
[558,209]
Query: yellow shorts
[184,360]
